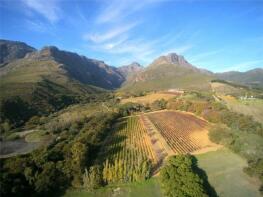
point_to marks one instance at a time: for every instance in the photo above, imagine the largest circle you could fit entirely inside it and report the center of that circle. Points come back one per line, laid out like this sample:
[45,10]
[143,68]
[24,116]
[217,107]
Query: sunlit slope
[169,71]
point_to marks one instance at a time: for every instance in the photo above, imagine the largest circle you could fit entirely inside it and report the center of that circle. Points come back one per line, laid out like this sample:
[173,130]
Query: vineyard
[128,154]
[138,145]
[183,132]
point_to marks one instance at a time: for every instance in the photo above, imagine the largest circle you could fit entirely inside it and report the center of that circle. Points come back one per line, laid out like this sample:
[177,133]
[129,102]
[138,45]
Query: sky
[218,35]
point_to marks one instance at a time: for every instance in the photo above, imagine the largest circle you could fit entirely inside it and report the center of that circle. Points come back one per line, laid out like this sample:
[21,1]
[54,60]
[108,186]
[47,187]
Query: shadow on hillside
[211,191]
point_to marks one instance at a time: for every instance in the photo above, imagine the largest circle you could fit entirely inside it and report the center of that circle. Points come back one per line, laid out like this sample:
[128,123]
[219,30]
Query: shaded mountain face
[130,70]
[13,50]
[85,70]
[170,71]
[252,78]
[50,79]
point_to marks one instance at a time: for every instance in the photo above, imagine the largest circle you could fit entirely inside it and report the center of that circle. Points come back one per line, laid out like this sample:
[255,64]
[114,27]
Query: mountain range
[49,78]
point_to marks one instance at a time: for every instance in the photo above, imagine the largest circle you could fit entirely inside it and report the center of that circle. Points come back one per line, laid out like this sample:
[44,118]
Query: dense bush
[15,111]
[159,104]
[130,108]
[180,178]
[50,170]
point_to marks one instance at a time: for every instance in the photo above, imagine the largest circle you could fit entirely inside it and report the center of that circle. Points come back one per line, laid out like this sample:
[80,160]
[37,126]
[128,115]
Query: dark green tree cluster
[159,104]
[15,112]
[130,108]
[179,178]
[255,168]
[50,170]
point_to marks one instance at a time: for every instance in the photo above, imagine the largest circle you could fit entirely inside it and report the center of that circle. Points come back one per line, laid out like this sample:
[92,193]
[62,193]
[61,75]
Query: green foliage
[221,135]
[159,104]
[179,178]
[122,171]
[238,132]
[50,170]
[92,179]
[130,108]
[15,110]
[255,168]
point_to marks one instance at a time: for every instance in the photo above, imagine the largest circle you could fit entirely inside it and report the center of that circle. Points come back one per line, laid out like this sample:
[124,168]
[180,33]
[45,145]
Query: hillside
[12,50]
[171,71]
[130,70]
[50,79]
[252,78]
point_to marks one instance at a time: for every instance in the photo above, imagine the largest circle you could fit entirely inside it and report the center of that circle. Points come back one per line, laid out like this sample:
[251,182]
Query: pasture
[149,188]
[252,107]
[225,173]
[150,98]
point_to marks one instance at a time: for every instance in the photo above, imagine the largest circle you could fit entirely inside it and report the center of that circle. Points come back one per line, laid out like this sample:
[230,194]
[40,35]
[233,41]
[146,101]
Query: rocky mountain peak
[130,69]
[12,50]
[171,58]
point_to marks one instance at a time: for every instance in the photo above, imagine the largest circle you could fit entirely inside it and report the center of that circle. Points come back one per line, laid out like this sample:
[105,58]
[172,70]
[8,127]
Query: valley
[75,126]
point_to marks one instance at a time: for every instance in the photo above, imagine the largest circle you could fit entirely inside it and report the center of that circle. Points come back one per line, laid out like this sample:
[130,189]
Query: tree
[92,179]
[179,179]
[78,160]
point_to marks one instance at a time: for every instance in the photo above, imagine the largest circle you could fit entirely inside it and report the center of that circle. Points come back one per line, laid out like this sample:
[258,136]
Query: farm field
[183,132]
[150,98]
[127,147]
[252,107]
[149,188]
[229,94]
[225,173]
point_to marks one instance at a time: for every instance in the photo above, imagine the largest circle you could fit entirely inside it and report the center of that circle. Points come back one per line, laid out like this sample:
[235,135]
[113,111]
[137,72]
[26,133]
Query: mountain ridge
[13,50]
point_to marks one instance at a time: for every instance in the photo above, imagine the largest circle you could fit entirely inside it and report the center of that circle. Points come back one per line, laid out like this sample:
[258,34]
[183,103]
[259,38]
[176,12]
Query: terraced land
[224,170]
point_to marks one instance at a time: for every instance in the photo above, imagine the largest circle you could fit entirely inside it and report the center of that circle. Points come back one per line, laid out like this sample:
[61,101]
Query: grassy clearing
[253,107]
[149,188]
[150,98]
[229,95]
[36,136]
[225,173]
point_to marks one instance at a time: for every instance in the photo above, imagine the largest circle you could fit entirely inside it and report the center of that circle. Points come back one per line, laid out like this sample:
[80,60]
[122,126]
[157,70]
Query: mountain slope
[253,78]
[50,79]
[171,71]
[130,69]
[12,50]
[81,68]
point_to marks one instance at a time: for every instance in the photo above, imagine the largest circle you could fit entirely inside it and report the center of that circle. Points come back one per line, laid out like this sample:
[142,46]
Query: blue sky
[216,35]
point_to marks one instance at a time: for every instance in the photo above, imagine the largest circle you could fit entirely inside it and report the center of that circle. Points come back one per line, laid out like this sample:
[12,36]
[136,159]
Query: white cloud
[36,26]
[110,34]
[48,9]
[116,10]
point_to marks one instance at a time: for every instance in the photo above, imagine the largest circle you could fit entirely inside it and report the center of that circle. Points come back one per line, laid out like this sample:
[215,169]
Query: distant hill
[42,81]
[12,50]
[170,71]
[252,78]
[129,71]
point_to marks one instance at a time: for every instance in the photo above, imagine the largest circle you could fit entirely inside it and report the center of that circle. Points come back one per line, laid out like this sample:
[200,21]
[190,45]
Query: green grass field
[149,188]
[225,173]
[253,107]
